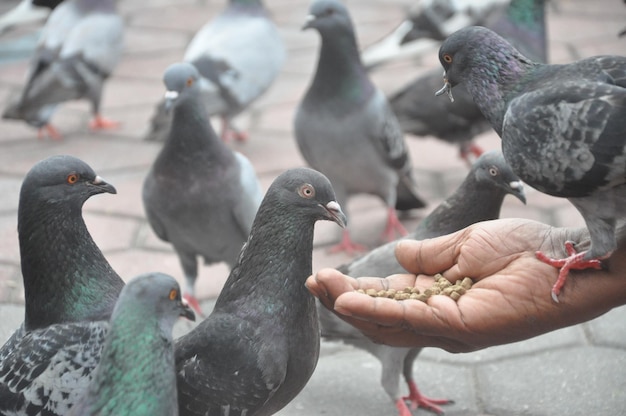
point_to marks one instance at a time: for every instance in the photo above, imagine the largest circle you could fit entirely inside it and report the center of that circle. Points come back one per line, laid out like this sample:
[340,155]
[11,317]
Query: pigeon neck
[282,265]
[523,24]
[66,277]
[340,73]
[138,347]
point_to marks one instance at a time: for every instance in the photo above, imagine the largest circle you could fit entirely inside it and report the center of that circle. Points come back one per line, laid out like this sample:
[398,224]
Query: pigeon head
[62,178]
[156,294]
[475,48]
[328,16]
[311,192]
[179,79]
[491,168]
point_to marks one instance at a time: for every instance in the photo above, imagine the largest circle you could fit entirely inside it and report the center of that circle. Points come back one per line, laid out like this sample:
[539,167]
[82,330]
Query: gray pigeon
[79,47]
[562,129]
[239,54]
[26,12]
[260,345]
[199,195]
[523,24]
[345,128]
[135,375]
[66,277]
[478,198]
[428,22]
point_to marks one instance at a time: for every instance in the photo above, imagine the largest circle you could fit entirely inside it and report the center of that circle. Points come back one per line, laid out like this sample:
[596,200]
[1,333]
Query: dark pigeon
[345,128]
[523,24]
[260,345]
[80,46]
[135,375]
[562,128]
[66,277]
[239,54]
[427,24]
[478,198]
[199,195]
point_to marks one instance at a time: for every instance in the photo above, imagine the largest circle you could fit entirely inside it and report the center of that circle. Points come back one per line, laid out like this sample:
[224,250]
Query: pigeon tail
[407,197]
[574,261]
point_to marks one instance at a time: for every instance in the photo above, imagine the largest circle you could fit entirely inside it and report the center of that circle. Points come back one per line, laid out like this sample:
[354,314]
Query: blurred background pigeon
[260,345]
[135,375]
[562,128]
[239,54]
[523,24]
[478,198]
[199,195]
[427,24]
[66,277]
[345,128]
[79,47]
[26,12]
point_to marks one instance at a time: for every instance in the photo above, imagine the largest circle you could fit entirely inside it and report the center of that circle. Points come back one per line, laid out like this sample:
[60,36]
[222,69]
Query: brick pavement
[578,368]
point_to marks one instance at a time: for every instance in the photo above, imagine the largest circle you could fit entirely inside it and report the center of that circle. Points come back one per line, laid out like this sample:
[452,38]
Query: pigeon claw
[393,226]
[417,399]
[347,245]
[49,131]
[101,123]
[574,261]
[195,305]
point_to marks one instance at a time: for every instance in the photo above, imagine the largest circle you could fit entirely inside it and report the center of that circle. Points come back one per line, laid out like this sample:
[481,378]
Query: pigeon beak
[186,311]
[447,88]
[517,190]
[170,98]
[336,214]
[308,22]
[102,186]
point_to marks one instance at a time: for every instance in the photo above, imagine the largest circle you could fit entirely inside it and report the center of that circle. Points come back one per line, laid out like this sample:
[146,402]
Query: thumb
[429,256]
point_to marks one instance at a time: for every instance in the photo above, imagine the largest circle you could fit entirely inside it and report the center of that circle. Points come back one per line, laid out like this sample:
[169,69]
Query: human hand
[509,301]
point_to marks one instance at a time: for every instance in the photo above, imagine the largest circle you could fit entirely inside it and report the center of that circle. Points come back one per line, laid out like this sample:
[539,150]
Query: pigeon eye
[173,294]
[328,12]
[447,58]
[72,178]
[493,171]
[189,82]
[306,191]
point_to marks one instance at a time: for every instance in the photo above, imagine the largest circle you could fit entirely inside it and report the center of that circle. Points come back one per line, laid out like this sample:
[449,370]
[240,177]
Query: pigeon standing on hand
[523,24]
[345,128]
[562,128]
[239,54]
[79,47]
[199,195]
[260,345]
[67,280]
[135,375]
[478,198]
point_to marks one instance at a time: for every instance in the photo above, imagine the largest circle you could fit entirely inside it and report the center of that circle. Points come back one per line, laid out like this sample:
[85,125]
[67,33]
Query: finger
[429,256]
[328,284]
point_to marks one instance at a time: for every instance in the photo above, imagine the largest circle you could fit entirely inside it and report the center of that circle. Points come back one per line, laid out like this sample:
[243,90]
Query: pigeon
[67,280]
[239,54]
[135,374]
[562,129]
[79,47]
[51,369]
[344,126]
[427,24]
[523,24]
[26,12]
[478,198]
[260,345]
[199,195]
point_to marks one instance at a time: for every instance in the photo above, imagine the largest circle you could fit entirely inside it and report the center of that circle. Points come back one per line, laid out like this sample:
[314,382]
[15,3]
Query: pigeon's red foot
[347,245]
[574,261]
[230,134]
[469,152]
[417,399]
[49,131]
[195,305]
[101,123]
[393,227]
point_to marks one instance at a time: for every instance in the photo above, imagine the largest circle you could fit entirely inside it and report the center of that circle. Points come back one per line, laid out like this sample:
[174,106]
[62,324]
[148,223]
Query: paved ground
[575,371]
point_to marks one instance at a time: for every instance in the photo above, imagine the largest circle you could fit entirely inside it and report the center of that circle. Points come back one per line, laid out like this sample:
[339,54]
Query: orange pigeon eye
[189,82]
[447,58]
[72,178]
[173,294]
